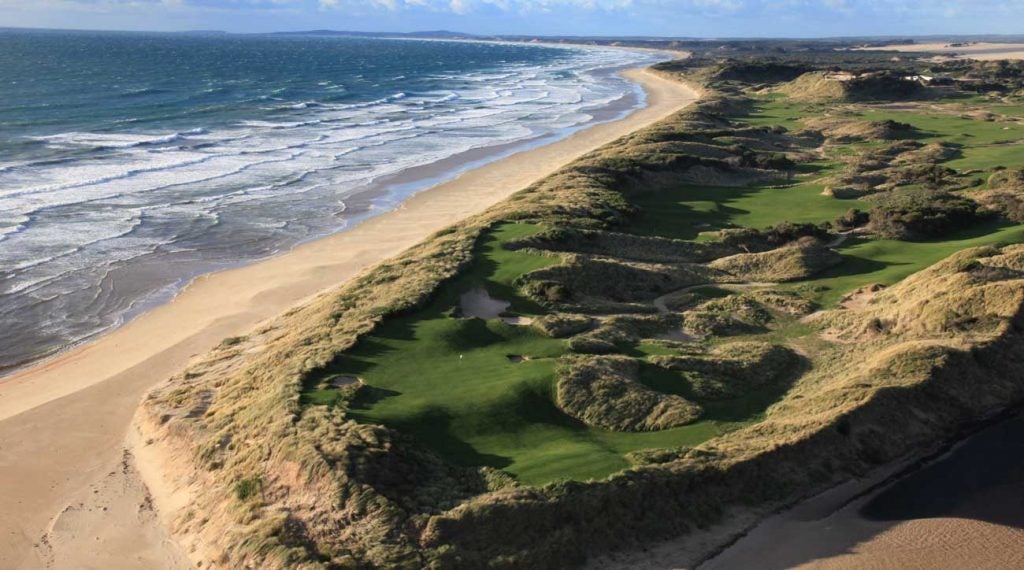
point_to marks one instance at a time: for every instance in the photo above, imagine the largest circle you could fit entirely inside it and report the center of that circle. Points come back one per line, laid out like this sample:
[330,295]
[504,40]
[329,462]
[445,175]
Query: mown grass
[889,261]
[777,109]
[688,211]
[450,383]
[983,144]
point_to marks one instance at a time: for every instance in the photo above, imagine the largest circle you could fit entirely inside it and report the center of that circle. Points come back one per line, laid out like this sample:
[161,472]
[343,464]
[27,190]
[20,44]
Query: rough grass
[790,263]
[603,391]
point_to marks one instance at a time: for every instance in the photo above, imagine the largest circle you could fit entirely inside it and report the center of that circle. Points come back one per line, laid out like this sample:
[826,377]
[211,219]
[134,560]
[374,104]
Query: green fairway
[983,144]
[451,384]
[686,212]
[777,109]
[889,261]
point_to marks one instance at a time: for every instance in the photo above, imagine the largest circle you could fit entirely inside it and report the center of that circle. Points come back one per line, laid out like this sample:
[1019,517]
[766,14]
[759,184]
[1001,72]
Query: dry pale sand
[980,51]
[63,423]
[479,304]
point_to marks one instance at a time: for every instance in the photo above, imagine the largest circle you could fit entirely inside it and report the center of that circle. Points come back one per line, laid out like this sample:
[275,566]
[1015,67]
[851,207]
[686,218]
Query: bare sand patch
[984,51]
[861,297]
[479,304]
[343,381]
[112,525]
[63,423]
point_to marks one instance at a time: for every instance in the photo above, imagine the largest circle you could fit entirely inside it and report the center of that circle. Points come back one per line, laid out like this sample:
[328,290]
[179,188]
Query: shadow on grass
[663,215]
[433,428]
[746,408]
[853,265]
[370,395]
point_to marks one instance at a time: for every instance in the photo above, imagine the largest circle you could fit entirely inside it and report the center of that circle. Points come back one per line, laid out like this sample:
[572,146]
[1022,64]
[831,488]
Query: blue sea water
[131,163]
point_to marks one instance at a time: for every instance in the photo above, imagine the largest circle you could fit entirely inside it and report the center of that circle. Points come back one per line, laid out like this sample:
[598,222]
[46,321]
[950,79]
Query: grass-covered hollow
[483,392]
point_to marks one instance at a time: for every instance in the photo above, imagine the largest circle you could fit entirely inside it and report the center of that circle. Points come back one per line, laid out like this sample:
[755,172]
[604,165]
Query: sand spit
[63,423]
[983,51]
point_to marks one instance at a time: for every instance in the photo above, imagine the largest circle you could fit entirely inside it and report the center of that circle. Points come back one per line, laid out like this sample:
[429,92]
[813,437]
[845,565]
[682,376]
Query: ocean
[131,163]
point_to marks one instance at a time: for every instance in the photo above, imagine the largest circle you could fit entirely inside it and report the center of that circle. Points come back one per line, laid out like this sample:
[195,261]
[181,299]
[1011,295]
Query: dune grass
[450,383]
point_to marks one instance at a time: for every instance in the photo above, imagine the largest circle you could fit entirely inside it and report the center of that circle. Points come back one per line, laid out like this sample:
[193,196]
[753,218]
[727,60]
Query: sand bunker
[342,381]
[518,359]
[479,304]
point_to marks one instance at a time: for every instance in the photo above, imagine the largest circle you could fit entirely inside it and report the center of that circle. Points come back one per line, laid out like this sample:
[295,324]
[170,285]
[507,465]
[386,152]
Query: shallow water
[130,163]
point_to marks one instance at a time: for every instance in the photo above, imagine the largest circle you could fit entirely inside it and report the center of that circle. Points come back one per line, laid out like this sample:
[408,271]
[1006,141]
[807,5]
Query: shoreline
[63,422]
[366,200]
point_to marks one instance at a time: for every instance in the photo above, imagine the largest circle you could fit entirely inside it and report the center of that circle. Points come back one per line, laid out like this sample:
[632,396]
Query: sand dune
[63,423]
[981,51]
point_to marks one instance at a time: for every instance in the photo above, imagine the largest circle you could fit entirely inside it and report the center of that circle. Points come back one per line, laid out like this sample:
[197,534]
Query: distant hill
[435,34]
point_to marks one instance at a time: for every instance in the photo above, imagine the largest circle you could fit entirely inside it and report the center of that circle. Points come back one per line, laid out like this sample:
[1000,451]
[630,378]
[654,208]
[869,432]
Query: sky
[677,18]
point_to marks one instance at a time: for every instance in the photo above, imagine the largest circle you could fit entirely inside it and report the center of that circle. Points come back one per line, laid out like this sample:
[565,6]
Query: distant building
[928,80]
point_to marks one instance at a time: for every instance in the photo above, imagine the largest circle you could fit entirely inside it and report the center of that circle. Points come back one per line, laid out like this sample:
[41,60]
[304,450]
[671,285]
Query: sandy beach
[70,492]
[981,51]
[962,510]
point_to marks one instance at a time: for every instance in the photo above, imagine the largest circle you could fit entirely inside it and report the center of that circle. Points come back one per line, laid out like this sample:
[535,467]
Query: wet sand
[63,423]
[964,510]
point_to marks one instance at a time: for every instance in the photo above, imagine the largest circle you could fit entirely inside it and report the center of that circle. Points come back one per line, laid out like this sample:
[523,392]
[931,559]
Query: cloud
[681,7]
[551,17]
[684,7]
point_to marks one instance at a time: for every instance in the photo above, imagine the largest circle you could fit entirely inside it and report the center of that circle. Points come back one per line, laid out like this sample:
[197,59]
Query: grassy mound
[791,263]
[732,370]
[615,280]
[602,391]
[1004,195]
[562,325]
[916,214]
[843,130]
[820,86]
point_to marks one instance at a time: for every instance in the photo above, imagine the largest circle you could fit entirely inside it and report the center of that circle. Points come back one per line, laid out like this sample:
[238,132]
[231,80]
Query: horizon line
[457,34]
